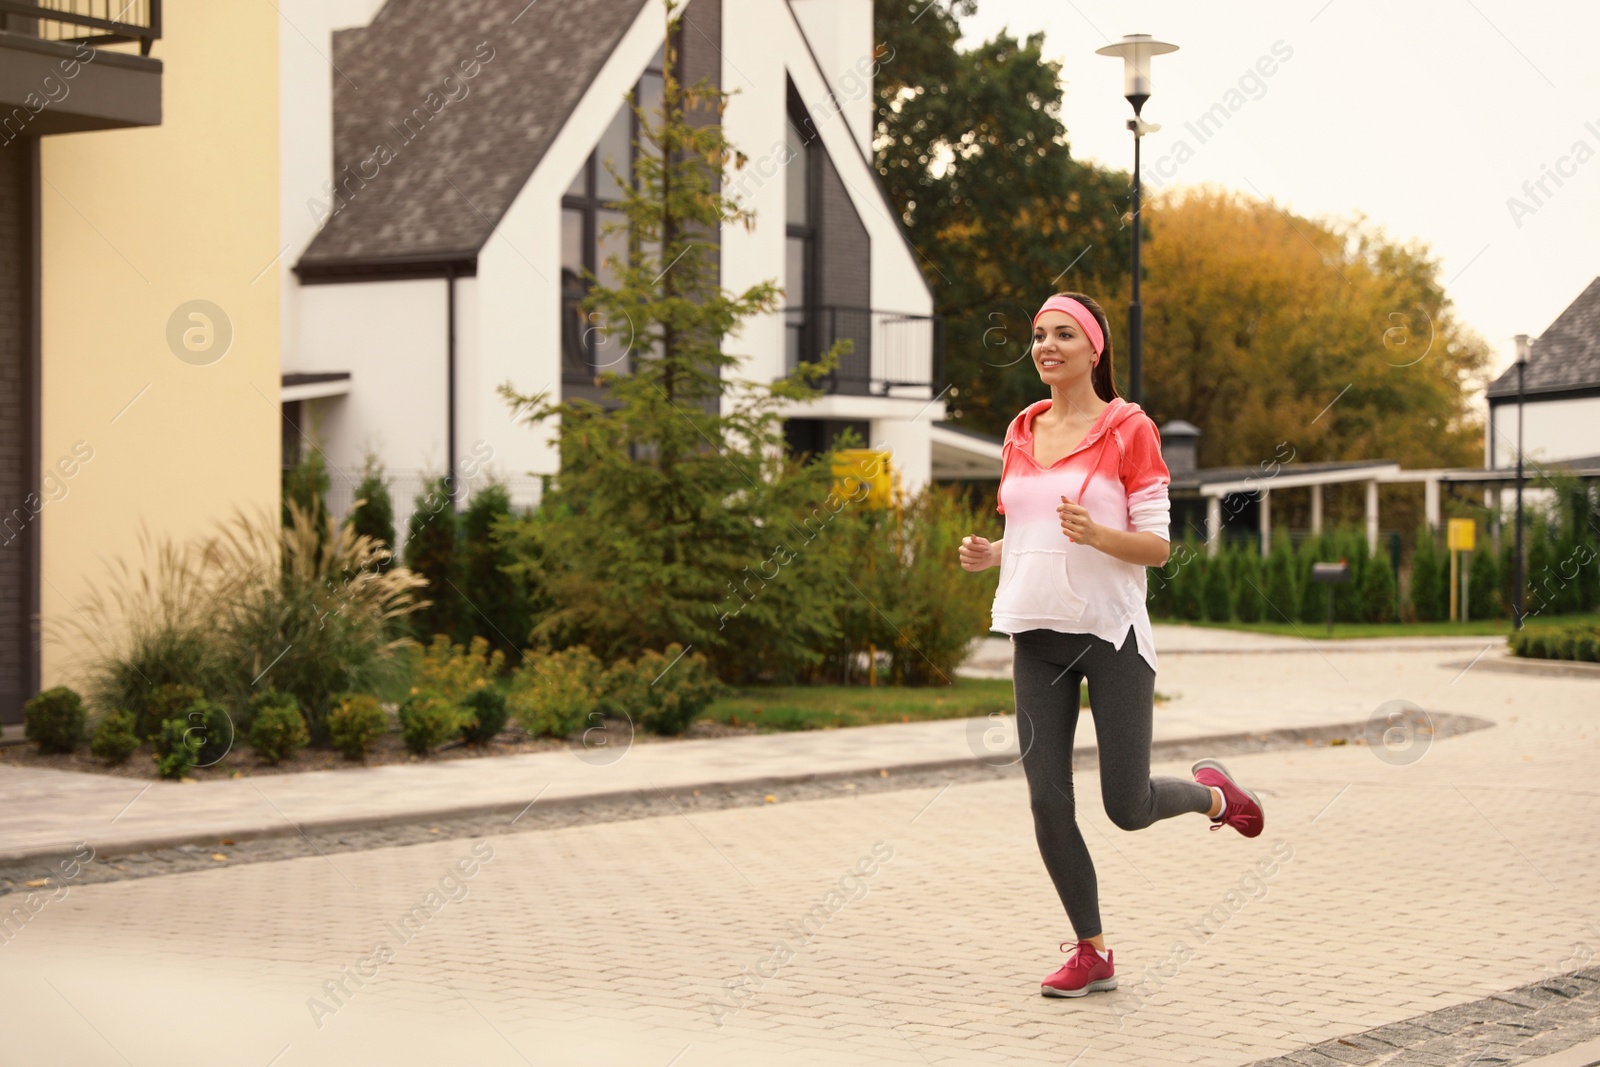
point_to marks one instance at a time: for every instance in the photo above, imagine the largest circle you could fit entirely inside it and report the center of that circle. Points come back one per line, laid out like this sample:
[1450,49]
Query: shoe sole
[1092,987]
[1216,765]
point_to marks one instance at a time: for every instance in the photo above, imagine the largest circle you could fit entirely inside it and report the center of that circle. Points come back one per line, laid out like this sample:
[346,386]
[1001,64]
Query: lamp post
[1135,50]
[1522,363]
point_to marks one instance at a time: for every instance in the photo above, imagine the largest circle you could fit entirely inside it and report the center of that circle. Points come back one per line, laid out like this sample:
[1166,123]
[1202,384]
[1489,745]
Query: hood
[1020,432]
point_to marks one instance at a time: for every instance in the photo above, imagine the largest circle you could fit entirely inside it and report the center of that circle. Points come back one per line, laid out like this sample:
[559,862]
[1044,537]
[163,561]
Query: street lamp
[1135,50]
[1516,583]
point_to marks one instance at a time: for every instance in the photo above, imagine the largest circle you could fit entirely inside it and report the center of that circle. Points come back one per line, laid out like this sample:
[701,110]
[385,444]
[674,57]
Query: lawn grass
[1474,628]
[823,707]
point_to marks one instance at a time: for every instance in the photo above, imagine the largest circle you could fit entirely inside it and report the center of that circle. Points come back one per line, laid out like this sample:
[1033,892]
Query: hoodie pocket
[1034,584]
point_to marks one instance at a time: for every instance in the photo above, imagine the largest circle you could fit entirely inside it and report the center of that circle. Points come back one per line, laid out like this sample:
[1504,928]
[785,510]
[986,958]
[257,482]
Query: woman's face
[1061,352]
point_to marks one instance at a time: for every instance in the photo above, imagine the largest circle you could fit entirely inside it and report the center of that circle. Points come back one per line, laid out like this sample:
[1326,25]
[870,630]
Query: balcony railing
[892,351]
[86,21]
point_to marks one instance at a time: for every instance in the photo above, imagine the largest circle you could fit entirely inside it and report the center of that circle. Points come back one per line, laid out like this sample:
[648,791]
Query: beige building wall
[136,225]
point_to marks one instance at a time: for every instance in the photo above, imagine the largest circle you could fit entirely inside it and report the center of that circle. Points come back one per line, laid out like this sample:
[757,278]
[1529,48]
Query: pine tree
[496,607]
[680,513]
[373,515]
[433,537]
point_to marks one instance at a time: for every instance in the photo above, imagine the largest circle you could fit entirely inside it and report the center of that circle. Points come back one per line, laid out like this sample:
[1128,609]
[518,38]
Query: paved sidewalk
[1379,891]
[50,812]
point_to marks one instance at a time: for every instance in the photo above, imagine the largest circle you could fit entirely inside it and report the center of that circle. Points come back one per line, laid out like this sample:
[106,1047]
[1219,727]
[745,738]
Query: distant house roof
[456,167]
[1193,482]
[1566,356]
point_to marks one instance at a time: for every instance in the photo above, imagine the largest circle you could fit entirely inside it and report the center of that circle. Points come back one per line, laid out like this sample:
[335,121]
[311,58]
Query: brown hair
[1104,381]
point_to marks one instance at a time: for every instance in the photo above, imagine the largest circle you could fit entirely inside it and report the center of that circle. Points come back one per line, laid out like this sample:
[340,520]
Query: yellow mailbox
[1459,534]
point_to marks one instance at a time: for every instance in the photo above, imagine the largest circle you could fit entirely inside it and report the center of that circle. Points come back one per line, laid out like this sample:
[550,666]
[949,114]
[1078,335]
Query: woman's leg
[1121,699]
[1045,680]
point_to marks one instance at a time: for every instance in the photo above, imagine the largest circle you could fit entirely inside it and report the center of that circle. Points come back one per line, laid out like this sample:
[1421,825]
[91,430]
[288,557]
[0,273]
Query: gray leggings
[1048,667]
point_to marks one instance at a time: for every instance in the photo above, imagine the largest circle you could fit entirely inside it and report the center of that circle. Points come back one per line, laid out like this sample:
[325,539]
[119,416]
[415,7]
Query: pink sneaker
[1084,973]
[1243,812]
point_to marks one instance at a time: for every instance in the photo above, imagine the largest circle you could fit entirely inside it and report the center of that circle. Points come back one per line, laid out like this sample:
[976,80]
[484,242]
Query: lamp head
[1523,347]
[1135,49]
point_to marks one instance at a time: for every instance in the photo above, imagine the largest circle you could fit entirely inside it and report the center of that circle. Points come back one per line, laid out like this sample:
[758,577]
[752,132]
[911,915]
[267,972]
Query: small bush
[211,732]
[279,731]
[160,704]
[554,693]
[663,692]
[428,720]
[176,747]
[267,698]
[54,719]
[487,713]
[114,739]
[452,671]
[355,723]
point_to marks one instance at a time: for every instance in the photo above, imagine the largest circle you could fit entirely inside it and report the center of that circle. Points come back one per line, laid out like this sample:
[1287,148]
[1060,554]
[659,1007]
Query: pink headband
[1080,314]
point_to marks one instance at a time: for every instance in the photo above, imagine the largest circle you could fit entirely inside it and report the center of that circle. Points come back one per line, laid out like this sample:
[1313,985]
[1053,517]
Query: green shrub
[267,698]
[1282,592]
[433,552]
[1484,585]
[163,703]
[211,732]
[663,692]
[355,723]
[374,515]
[497,601]
[176,748]
[451,671]
[1249,582]
[1216,593]
[1429,590]
[554,693]
[310,610]
[428,720]
[487,713]
[114,738]
[279,731]
[54,719]
[1377,591]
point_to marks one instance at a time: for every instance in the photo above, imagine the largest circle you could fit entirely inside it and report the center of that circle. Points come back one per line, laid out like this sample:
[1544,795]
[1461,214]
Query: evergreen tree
[433,537]
[681,513]
[373,515]
[1430,586]
[496,606]
[1216,588]
[306,484]
[1283,594]
[1249,584]
[1484,585]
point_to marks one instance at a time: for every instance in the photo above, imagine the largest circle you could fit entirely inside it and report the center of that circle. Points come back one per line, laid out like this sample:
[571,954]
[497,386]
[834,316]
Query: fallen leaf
[771,799]
[119,866]
[227,840]
[883,773]
[434,830]
[696,792]
[36,883]
[1339,741]
[219,857]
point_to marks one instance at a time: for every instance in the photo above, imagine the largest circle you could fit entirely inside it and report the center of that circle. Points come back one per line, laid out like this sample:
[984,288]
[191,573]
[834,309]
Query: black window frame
[810,234]
[578,331]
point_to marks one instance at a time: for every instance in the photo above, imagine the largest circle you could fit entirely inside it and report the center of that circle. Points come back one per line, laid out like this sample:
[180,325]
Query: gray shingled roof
[453,177]
[1565,356]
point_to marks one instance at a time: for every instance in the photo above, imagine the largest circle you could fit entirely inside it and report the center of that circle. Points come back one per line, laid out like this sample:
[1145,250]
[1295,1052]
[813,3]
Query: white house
[444,182]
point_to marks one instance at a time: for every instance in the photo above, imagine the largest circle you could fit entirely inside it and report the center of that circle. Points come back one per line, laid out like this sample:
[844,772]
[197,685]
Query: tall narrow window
[800,252]
[588,208]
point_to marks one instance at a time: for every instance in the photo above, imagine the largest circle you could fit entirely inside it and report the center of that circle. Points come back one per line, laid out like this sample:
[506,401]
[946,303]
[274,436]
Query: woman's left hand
[1077,525]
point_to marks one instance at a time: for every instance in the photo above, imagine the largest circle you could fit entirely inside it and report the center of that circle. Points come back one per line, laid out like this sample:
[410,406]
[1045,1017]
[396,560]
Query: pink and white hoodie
[1050,582]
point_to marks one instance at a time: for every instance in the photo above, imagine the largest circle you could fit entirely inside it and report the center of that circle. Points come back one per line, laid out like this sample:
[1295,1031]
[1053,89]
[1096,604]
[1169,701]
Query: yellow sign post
[1459,537]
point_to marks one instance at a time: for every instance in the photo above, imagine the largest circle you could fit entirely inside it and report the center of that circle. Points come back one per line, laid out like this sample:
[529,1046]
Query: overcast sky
[1426,116]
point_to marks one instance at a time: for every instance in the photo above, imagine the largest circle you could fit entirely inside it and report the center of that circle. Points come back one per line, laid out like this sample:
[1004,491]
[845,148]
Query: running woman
[1083,489]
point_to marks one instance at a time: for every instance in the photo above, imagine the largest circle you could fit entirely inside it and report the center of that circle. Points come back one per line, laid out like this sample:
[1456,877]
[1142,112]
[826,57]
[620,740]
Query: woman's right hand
[979,553]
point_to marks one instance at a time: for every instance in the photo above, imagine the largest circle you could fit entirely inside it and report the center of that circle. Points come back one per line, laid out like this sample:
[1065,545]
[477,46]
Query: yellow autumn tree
[1262,327]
